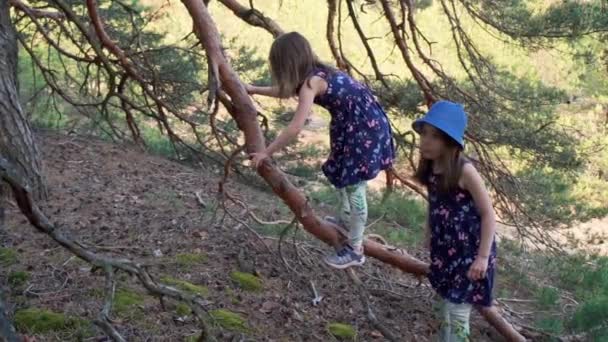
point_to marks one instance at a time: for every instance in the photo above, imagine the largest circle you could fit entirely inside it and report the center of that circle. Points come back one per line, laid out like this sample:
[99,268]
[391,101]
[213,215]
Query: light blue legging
[454,321]
[353,211]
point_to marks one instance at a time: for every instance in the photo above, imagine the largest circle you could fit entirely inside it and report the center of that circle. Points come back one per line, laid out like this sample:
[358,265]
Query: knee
[459,312]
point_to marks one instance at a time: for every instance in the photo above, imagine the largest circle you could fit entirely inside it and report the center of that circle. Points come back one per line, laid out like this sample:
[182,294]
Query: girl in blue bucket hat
[461,223]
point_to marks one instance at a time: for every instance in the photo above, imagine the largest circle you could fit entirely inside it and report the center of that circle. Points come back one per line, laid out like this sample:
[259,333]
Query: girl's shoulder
[469,176]
[324,72]
[467,166]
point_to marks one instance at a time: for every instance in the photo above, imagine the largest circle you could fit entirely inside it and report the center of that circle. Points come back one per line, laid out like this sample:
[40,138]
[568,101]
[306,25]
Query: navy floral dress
[455,237]
[360,133]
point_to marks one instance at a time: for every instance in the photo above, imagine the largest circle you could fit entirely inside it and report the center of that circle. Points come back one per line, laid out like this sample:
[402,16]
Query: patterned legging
[454,321]
[353,211]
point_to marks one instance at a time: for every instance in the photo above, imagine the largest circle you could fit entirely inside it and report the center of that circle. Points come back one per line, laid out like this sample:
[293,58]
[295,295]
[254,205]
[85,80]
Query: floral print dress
[455,237]
[360,134]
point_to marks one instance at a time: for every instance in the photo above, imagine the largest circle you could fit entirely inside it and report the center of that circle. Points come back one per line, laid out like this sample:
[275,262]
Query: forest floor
[122,202]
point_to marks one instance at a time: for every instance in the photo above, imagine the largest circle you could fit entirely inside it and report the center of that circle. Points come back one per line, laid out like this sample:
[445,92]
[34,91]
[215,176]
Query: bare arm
[471,181]
[305,101]
[264,91]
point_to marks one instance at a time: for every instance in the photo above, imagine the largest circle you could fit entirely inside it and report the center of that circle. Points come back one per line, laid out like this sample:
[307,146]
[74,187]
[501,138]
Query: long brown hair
[450,164]
[292,61]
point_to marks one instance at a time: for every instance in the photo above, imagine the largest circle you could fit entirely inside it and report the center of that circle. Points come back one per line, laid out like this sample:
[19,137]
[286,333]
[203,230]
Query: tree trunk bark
[17,143]
[16,140]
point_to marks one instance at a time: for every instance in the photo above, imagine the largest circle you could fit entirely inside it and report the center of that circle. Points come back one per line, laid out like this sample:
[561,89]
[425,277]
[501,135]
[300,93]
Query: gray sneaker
[344,258]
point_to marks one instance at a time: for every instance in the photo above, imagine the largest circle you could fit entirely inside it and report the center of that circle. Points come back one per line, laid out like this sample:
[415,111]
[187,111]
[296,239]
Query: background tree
[17,142]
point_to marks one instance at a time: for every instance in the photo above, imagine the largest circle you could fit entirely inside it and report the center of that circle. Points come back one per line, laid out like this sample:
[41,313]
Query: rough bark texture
[17,142]
[16,139]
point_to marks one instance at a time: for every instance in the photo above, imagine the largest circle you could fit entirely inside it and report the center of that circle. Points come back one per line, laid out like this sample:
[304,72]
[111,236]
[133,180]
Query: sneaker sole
[350,264]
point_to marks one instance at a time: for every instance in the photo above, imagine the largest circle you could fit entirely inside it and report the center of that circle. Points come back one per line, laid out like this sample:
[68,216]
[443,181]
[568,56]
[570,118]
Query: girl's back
[360,133]
[342,88]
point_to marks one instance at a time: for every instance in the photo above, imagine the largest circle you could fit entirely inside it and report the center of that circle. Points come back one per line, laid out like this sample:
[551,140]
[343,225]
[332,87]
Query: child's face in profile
[432,142]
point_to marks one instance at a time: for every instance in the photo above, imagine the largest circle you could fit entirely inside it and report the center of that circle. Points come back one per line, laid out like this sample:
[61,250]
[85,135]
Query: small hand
[249,88]
[257,158]
[478,269]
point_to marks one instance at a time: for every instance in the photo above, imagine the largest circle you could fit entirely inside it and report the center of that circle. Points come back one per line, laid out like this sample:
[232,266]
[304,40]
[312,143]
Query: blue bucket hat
[446,116]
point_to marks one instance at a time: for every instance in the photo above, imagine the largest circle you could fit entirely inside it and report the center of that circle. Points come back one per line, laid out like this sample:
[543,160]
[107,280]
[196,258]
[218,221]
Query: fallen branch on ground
[109,265]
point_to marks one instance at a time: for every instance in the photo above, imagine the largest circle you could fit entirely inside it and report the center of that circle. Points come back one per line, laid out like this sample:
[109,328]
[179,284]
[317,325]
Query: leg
[444,317]
[351,254]
[342,211]
[358,215]
[459,319]
[343,206]
[455,322]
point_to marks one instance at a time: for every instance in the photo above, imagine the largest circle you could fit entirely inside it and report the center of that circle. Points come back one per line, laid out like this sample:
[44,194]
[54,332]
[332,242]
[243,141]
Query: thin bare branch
[34,12]
[253,17]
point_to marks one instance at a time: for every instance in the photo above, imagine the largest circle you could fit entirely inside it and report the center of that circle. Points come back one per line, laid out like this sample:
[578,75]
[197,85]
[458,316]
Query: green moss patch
[126,300]
[230,320]
[7,257]
[182,309]
[18,278]
[40,321]
[342,331]
[186,286]
[247,281]
[190,259]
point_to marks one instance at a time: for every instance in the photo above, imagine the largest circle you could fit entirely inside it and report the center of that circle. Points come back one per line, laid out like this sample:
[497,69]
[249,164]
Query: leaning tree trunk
[17,143]
[16,139]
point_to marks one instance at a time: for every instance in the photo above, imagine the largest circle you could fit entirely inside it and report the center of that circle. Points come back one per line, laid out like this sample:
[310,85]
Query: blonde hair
[292,62]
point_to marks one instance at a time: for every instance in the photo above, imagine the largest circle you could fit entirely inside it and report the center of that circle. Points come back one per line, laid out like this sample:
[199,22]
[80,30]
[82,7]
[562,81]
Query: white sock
[358,249]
